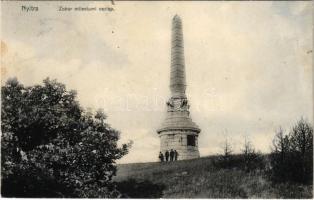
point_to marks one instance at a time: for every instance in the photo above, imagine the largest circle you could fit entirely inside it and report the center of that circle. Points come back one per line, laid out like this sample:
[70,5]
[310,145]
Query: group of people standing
[171,155]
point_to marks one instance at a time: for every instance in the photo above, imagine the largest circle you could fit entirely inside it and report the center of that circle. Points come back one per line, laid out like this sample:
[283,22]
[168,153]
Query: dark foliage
[198,178]
[226,160]
[132,188]
[248,163]
[50,147]
[249,160]
[292,156]
[28,181]
[253,161]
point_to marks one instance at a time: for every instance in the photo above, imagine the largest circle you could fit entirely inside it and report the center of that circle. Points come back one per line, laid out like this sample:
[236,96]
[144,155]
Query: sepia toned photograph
[157,99]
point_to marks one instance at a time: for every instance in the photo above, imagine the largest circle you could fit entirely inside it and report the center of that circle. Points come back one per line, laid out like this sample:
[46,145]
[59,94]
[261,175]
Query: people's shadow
[132,188]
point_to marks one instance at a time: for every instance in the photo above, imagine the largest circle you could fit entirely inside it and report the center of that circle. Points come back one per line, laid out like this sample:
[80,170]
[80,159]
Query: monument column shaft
[178,131]
[177,74]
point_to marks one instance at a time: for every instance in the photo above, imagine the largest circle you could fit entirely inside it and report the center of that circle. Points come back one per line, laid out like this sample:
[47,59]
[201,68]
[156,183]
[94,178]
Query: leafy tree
[292,155]
[301,146]
[51,147]
[280,156]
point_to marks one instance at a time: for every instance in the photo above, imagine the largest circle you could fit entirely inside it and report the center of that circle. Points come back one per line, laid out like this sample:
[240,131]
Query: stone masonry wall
[177,140]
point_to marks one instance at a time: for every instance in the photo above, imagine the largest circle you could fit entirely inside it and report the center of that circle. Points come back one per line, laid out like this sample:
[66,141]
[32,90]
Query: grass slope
[198,178]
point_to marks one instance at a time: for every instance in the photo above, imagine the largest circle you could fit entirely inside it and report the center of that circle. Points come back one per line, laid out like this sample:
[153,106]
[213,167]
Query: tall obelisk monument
[178,131]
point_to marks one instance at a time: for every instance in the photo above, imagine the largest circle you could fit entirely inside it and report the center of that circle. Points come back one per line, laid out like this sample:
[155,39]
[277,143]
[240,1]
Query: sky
[248,65]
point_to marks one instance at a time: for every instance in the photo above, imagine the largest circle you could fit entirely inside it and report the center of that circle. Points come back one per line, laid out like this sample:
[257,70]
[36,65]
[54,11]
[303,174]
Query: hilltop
[199,178]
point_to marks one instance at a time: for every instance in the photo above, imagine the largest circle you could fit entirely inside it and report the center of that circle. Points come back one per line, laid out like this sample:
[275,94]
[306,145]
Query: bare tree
[251,159]
[281,142]
[227,148]
[225,160]
[247,147]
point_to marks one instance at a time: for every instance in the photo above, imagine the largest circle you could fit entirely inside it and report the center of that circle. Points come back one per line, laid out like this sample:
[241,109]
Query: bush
[252,160]
[292,156]
[228,162]
[249,160]
[50,147]
[132,188]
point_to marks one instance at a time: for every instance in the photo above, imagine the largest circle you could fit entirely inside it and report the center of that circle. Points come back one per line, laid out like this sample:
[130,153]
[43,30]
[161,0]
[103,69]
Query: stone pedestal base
[178,140]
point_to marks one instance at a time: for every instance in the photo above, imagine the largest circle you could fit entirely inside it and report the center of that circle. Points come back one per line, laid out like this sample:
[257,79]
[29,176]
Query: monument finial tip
[176,17]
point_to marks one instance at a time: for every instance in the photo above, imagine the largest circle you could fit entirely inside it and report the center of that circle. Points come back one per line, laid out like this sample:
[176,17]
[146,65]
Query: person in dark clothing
[161,157]
[167,155]
[171,154]
[176,155]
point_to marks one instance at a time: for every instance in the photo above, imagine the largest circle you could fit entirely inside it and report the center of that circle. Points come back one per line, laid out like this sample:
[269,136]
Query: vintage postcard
[157,99]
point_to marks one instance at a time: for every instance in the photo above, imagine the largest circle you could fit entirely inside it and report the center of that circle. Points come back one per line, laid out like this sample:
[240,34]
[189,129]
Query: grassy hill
[199,178]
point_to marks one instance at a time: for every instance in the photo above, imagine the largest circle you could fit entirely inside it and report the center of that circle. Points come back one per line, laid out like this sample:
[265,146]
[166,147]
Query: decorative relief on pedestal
[177,105]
